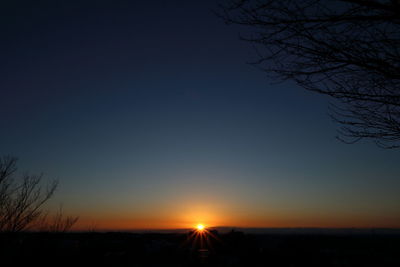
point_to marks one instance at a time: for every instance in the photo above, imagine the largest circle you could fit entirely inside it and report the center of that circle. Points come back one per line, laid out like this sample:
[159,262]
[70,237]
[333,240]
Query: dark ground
[231,249]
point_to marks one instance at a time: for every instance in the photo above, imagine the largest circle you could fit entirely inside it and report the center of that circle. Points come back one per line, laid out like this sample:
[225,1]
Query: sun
[200,227]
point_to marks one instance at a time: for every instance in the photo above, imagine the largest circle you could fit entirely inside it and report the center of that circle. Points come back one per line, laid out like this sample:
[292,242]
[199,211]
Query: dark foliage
[22,199]
[231,249]
[347,49]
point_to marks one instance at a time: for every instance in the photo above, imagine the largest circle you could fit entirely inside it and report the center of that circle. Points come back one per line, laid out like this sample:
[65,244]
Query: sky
[150,117]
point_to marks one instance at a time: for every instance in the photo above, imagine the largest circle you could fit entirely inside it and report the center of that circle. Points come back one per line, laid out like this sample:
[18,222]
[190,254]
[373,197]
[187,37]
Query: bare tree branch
[21,202]
[346,49]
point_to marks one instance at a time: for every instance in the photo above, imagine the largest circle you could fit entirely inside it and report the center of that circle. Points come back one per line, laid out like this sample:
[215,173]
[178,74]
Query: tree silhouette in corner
[22,200]
[347,49]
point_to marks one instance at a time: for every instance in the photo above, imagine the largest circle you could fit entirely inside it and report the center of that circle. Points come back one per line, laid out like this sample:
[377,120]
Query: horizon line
[244,229]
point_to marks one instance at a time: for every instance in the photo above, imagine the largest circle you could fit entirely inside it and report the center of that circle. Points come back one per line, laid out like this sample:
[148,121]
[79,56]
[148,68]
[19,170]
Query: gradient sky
[149,116]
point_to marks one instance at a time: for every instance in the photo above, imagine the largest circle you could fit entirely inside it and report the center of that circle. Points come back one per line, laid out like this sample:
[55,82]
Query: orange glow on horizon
[189,214]
[191,222]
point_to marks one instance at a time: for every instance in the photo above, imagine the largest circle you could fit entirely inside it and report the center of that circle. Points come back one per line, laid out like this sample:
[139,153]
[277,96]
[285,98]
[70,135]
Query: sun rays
[202,238]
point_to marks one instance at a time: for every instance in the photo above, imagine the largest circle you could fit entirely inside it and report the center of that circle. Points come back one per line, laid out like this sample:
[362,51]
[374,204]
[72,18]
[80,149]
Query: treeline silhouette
[230,249]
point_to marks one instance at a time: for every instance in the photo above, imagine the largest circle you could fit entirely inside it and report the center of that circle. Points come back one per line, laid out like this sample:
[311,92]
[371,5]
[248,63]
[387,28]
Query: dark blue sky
[138,107]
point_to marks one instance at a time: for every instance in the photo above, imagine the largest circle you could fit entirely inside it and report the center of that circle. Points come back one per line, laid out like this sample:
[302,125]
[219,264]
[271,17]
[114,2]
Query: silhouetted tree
[60,223]
[347,49]
[22,200]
